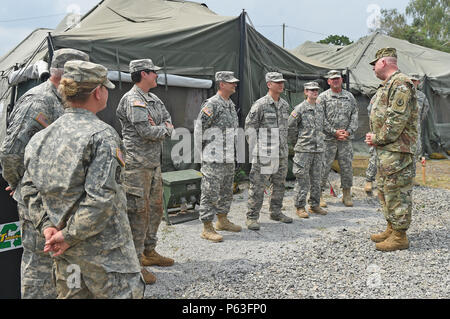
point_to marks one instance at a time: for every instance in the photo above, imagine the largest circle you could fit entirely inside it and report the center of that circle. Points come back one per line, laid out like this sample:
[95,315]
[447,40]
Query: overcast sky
[310,20]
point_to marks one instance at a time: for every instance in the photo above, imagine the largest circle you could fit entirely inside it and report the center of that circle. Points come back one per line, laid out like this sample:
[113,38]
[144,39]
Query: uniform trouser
[343,152]
[93,282]
[217,190]
[395,182]
[36,267]
[259,179]
[144,206]
[371,171]
[307,169]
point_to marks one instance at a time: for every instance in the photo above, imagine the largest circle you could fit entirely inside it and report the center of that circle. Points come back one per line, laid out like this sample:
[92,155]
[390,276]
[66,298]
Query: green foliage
[430,26]
[336,40]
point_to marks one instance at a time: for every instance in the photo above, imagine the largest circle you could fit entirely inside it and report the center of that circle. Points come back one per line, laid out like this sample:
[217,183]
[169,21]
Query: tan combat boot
[148,277]
[301,212]
[347,198]
[323,203]
[378,238]
[223,223]
[317,210]
[150,258]
[368,187]
[210,234]
[396,241]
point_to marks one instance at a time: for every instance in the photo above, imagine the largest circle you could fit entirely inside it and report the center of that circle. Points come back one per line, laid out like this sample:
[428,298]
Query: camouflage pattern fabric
[393,121]
[144,206]
[307,169]
[423,108]
[76,165]
[218,116]
[342,151]
[142,140]
[371,170]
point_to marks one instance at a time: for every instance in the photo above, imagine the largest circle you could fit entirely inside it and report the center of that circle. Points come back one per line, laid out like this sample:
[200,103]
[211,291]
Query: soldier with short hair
[74,169]
[34,111]
[393,125]
[341,122]
[267,128]
[306,132]
[218,118]
[146,123]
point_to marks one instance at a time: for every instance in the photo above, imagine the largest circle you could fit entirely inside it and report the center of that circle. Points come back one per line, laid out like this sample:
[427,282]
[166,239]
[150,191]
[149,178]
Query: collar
[390,78]
[145,95]
[54,90]
[78,110]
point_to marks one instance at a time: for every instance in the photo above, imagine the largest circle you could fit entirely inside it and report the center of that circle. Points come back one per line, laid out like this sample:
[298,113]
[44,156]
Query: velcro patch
[42,119]
[399,102]
[294,114]
[139,103]
[207,111]
[119,156]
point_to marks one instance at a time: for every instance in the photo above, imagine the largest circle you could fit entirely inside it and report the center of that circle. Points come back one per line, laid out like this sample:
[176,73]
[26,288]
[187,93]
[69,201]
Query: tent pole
[51,48]
[347,80]
[241,64]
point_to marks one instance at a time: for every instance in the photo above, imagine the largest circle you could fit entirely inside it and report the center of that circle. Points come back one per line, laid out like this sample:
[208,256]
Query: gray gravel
[321,257]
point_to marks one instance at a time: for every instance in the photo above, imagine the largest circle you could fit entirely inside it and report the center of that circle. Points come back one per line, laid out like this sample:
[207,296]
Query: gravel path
[321,257]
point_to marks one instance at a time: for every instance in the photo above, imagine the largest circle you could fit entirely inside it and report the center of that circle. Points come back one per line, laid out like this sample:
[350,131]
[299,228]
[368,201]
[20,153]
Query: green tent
[432,65]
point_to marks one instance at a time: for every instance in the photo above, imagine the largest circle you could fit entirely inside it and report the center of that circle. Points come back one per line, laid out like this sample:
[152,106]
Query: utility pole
[284,31]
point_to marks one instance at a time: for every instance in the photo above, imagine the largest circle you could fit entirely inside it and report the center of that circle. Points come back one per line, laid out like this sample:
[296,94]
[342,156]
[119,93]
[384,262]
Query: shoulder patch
[42,119]
[119,156]
[139,103]
[294,114]
[207,111]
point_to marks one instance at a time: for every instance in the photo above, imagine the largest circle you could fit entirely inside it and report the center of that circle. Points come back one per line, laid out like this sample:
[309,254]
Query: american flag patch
[119,156]
[42,119]
[139,103]
[207,111]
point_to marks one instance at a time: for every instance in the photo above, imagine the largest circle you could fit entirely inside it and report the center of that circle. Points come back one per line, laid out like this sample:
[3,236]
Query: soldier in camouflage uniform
[145,124]
[306,132]
[74,168]
[423,108]
[371,170]
[266,128]
[393,125]
[341,122]
[35,110]
[217,117]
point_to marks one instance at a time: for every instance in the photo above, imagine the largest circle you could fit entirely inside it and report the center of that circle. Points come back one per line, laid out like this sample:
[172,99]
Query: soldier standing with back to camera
[341,122]
[145,125]
[393,125]
[34,111]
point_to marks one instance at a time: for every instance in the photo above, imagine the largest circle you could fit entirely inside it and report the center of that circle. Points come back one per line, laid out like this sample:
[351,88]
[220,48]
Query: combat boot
[252,224]
[347,198]
[317,210]
[209,233]
[151,258]
[368,187]
[223,223]
[280,217]
[396,241]
[378,238]
[148,277]
[323,203]
[301,212]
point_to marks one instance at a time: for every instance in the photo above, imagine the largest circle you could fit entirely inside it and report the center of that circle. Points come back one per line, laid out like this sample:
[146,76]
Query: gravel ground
[328,256]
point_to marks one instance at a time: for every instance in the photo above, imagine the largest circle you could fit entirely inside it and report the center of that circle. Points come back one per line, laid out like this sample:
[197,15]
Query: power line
[289,26]
[33,18]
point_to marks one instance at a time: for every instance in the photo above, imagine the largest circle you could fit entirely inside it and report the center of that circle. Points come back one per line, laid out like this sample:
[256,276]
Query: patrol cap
[274,77]
[226,76]
[414,76]
[143,64]
[334,74]
[385,52]
[311,86]
[87,72]
[61,56]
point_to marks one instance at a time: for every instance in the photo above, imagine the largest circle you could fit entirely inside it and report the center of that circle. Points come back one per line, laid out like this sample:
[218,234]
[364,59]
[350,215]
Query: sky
[310,20]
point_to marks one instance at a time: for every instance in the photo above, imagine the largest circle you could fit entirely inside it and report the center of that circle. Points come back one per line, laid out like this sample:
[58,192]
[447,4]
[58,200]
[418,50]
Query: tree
[336,40]
[430,26]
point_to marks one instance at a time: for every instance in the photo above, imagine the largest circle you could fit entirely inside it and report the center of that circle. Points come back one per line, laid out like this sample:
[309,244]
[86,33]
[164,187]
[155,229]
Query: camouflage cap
[226,76]
[311,86]
[414,76]
[333,74]
[61,56]
[385,52]
[87,72]
[274,77]
[143,64]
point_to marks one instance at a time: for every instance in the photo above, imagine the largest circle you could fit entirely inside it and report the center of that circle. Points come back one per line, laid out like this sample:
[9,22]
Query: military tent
[433,65]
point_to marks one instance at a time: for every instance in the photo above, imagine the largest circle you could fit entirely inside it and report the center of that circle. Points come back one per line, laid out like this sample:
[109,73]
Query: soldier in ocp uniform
[306,132]
[341,122]
[393,125]
[74,169]
[34,111]
[266,129]
[217,118]
[145,125]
